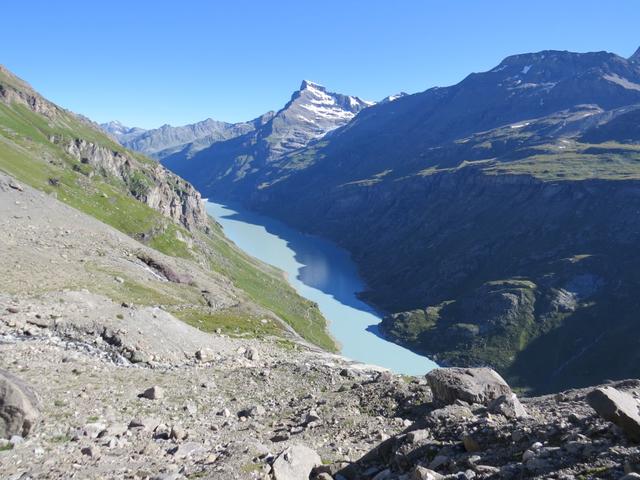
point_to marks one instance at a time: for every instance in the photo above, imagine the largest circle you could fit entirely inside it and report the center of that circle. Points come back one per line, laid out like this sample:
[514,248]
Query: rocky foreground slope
[99,378]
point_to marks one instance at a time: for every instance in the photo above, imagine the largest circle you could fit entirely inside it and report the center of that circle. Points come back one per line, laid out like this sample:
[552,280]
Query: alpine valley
[495,220]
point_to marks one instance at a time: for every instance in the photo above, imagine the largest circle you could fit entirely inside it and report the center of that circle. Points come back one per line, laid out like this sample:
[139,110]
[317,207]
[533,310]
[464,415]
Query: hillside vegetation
[68,158]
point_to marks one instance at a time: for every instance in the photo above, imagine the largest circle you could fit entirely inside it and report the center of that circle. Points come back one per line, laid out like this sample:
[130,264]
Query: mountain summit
[312,113]
[636,56]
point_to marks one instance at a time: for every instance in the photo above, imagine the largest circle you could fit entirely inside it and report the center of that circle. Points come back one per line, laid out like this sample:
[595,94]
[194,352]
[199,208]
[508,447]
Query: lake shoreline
[323,273]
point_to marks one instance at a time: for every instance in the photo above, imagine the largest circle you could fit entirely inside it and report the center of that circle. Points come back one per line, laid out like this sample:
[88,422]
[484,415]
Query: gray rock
[417,436]
[145,423]
[204,355]
[617,407]
[178,433]
[188,449]
[471,385]
[153,393]
[254,411]
[251,354]
[422,473]
[94,429]
[509,406]
[167,476]
[18,406]
[452,413]
[295,463]
[438,461]
[191,408]
[91,451]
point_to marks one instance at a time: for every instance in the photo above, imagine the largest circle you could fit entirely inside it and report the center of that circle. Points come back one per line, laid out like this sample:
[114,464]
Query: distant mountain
[311,114]
[167,140]
[636,56]
[495,220]
[120,131]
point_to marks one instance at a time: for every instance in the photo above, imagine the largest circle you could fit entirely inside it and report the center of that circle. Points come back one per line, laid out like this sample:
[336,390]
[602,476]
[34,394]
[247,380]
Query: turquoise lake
[325,274]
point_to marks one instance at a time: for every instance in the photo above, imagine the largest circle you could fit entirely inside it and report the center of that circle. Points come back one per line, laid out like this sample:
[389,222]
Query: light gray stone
[18,406]
[153,393]
[295,463]
[617,407]
[471,385]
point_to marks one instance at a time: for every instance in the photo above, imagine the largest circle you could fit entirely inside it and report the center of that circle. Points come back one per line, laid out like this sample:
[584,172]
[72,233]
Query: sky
[147,63]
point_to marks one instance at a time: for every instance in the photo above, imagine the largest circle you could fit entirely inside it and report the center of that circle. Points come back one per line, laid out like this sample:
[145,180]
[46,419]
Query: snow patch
[526,69]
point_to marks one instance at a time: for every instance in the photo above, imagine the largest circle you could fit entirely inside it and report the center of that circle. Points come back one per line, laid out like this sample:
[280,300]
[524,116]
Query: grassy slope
[27,153]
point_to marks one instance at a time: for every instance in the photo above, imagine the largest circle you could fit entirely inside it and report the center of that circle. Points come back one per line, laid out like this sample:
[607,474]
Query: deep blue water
[325,274]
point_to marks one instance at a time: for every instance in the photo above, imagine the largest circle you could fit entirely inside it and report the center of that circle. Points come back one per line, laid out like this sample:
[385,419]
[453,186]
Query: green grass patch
[232,322]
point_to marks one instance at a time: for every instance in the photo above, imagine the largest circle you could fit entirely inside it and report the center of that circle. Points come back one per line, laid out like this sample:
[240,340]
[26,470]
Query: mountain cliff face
[312,113]
[494,219]
[150,183]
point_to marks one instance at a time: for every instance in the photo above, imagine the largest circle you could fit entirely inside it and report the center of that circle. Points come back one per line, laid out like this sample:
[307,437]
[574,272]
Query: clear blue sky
[152,62]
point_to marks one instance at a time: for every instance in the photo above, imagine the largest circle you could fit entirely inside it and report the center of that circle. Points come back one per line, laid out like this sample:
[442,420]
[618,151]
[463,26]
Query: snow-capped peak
[308,84]
[312,113]
[392,98]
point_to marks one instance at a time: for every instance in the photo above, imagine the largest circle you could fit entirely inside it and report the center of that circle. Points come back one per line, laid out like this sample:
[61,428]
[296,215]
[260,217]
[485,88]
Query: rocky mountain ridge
[188,139]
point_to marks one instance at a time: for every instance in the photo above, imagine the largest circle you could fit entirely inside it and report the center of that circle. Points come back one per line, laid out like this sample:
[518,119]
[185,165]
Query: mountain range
[137,341]
[495,220]
[310,114]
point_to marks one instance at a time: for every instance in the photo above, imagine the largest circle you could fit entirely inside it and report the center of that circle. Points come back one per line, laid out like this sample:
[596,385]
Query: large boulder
[471,385]
[18,406]
[295,463]
[618,407]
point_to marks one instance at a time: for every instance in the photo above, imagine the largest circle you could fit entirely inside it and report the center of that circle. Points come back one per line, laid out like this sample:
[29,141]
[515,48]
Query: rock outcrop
[471,385]
[617,407]
[21,92]
[481,386]
[150,183]
[18,406]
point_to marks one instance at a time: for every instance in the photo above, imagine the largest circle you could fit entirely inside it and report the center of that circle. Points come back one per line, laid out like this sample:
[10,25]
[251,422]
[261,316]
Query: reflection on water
[325,274]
